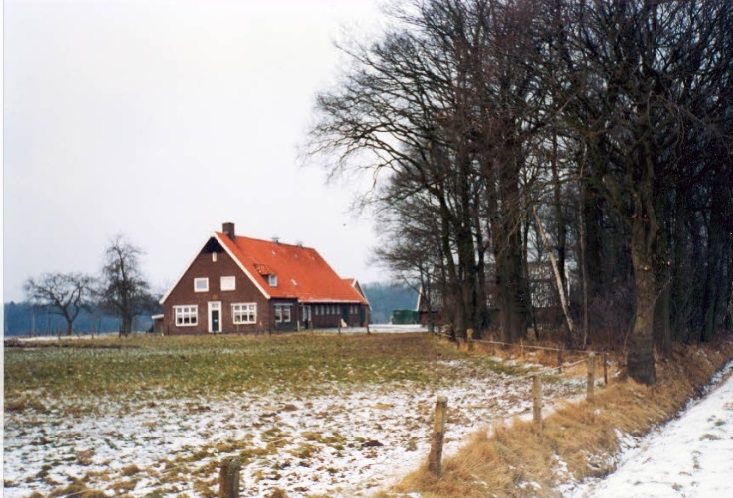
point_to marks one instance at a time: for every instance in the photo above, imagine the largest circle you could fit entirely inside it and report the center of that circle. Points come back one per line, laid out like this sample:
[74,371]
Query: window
[272,280]
[282,313]
[213,256]
[186,316]
[227,283]
[201,284]
[243,313]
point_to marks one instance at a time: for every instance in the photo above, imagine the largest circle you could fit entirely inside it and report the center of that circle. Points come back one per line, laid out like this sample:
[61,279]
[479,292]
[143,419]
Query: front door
[214,317]
[305,311]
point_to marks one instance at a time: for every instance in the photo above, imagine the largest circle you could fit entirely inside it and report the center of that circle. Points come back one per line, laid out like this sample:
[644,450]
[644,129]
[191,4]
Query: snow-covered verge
[348,441]
[691,456]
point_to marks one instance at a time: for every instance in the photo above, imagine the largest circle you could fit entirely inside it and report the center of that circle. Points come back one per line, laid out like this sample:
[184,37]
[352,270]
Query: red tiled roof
[301,272]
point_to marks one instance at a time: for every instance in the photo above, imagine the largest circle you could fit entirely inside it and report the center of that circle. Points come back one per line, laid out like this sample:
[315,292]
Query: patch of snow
[690,456]
[346,442]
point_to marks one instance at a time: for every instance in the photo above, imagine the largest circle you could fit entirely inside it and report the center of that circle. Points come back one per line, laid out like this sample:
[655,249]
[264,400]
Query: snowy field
[690,457]
[348,441]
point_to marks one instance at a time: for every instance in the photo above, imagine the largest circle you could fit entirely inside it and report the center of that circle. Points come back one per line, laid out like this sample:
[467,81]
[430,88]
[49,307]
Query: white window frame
[227,283]
[244,313]
[197,281]
[272,280]
[186,315]
[283,313]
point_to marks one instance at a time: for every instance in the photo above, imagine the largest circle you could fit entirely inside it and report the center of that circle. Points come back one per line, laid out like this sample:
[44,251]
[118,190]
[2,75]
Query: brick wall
[214,267]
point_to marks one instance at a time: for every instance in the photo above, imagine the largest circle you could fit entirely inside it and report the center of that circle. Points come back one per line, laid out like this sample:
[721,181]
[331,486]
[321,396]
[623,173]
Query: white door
[215,317]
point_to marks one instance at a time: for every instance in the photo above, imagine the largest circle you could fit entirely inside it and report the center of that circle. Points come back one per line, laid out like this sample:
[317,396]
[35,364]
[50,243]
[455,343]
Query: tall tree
[635,68]
[64,294]
[124,291]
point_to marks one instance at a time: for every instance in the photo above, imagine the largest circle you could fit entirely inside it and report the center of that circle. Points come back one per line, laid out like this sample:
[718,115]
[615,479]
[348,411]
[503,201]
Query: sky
[159,120]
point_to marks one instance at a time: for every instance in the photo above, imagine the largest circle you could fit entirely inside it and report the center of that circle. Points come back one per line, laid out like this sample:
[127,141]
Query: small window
[186,316]
[201,284]
[272,280]
[213,256]
[244,313]
[227,283]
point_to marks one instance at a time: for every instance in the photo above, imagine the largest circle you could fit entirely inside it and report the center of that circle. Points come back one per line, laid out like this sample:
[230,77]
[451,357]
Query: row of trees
[120,290]
[594,133]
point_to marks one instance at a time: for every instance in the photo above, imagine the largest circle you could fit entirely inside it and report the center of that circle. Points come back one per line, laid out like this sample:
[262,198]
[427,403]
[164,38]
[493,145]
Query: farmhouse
[239,284]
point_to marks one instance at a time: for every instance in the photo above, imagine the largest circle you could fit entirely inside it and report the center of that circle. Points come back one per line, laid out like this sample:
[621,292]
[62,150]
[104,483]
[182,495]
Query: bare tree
[64,294]
[643,78]
[616,115]
[124,291]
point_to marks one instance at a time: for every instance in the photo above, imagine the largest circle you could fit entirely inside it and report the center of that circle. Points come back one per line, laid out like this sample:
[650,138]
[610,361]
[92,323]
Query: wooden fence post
[559,360]
[591,375]
[469,339]
[537,402]
[605,368]
[436,449]
[229,477]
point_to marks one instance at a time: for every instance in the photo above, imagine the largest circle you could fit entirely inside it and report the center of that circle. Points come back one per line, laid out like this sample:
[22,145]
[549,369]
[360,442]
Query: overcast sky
[161,119]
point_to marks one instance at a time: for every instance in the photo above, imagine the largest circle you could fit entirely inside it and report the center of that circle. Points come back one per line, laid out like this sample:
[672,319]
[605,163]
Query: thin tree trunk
[556,271]
[662,330]
[583,269]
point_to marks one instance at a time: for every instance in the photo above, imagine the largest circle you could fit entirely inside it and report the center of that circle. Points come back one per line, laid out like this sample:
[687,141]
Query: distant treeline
[24,319]
[385,298]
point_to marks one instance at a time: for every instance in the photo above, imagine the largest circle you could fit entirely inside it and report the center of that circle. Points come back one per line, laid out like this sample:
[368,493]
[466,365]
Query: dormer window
[272,280]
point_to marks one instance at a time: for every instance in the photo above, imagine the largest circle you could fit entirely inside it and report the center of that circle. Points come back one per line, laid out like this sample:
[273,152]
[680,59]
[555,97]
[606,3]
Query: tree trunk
[680,289]
[662,330]
[559,282]
[512,317]
[506,222]
[640,357]
[583,271]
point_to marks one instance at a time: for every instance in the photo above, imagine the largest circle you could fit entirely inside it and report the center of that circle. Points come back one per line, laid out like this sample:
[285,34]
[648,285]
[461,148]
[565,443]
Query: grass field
[310,415]
[188,366]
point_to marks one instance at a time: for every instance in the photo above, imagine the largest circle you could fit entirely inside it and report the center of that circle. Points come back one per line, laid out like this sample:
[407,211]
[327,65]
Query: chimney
[228,228]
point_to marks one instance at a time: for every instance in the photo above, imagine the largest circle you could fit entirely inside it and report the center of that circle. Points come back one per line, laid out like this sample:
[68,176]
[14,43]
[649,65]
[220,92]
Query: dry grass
[516,461]
[78,489]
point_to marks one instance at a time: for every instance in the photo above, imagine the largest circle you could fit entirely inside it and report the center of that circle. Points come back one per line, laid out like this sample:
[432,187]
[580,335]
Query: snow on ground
[346,442]
[690,457]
